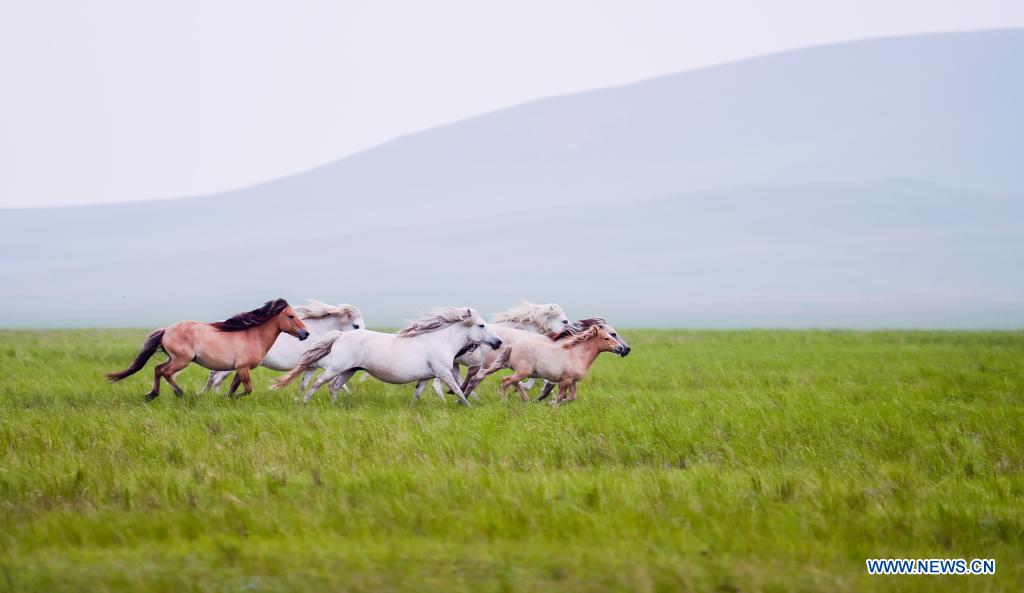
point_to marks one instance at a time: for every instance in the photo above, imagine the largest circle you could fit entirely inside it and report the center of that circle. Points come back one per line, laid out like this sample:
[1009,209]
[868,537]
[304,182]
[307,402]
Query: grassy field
[728,461]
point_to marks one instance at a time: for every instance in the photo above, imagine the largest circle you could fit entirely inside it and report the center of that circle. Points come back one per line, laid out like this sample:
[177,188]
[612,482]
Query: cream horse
[319,318]
[564,362]
[422,351]
[526,317]
[512,336]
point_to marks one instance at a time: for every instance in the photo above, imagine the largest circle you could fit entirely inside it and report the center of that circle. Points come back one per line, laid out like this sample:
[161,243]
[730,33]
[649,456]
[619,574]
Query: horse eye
[291,317]
[355,325]
[614,335]
[565,321]
[481,325]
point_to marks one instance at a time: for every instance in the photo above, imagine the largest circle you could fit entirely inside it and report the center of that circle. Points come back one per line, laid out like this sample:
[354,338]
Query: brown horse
[564,362]
[238,343]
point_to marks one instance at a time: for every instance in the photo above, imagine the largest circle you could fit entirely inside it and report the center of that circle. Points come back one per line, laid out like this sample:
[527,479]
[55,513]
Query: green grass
[728,461]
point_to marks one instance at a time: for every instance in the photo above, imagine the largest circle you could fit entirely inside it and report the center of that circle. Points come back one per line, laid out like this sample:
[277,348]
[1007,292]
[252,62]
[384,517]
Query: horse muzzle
[302,334]
[495,344]
[623,351]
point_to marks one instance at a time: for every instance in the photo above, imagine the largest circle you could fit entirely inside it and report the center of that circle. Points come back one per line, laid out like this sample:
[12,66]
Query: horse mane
[252,318]
[526,312]
[582,336]
[318,310]
[436,320]
[576,328]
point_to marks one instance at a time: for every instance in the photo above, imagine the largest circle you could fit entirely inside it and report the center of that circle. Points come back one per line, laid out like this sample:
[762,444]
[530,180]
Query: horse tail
[149,348]
[500,362]
[309,358]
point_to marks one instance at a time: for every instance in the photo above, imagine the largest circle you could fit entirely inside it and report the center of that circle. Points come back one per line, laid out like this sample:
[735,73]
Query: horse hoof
[151,396]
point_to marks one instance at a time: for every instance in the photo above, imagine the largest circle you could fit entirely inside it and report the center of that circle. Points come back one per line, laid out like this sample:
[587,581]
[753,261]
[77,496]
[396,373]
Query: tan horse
[238,343]
[564,362]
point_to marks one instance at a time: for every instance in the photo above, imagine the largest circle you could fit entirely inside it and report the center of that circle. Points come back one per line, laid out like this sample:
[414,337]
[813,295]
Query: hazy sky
[124,100]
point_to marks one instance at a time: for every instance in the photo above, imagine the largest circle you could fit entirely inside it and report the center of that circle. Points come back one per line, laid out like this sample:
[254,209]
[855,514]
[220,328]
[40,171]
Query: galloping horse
[319,318]
[238,343]
[524,317]
[512,336]
[564,363]
[422,351]
[584,324]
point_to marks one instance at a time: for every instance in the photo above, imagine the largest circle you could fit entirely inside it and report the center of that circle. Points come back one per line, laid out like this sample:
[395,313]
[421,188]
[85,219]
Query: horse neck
[322,325]
[585,353]
[266,333]
[454,337]
[526,326]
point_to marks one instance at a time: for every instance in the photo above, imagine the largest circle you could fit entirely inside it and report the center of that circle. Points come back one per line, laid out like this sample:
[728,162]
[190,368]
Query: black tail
[149,347]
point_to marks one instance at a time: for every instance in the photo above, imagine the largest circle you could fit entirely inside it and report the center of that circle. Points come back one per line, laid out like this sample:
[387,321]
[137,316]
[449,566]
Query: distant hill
[943,110]
[855,255]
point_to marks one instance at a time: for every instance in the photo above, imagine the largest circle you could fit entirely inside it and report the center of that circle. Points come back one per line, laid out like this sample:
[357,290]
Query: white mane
[318,310]
[436,320]
[527,313]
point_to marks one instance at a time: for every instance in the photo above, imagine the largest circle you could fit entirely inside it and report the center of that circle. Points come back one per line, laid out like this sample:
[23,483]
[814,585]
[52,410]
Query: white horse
[319,319]
[422,351]
[525,317]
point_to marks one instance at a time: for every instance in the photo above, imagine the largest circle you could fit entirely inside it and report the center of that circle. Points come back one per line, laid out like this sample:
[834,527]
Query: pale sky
[107,100]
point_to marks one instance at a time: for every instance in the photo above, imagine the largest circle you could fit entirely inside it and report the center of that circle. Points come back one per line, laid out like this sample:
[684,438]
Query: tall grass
[730,461]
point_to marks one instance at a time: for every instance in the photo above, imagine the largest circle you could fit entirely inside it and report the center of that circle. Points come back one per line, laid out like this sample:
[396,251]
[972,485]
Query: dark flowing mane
[576,328]
[252,318]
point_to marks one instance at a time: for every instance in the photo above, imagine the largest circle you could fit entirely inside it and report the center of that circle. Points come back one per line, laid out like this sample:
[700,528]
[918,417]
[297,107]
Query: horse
[512,336]
[238,343]
[525,317]
[584,324]
[565,363]
[422,351]
[319,318]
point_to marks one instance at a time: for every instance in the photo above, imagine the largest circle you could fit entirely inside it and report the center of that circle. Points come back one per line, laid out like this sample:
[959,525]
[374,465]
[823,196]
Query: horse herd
[535,341]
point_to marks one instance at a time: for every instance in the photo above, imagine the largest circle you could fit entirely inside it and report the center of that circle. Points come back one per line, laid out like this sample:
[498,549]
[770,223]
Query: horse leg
[235,382]
[471,373]
[572,393]
[563,392]
[528,384]
[215,380]
[479,377]
[420,386]
[306,378]
[210,381]
[436,384]
[522,392]
[448,379]
[243,373]
[507,382]
[221,377]
[457,371]
[339,382]
[324,377]
[548,387]
[172,368]
[157,373]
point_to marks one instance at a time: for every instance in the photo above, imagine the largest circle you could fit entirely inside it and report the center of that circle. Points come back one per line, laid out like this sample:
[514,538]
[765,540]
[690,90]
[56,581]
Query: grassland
[728,461]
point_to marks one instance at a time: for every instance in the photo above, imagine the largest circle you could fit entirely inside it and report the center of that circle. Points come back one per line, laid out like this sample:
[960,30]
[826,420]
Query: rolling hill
[855,255]
[504,196]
